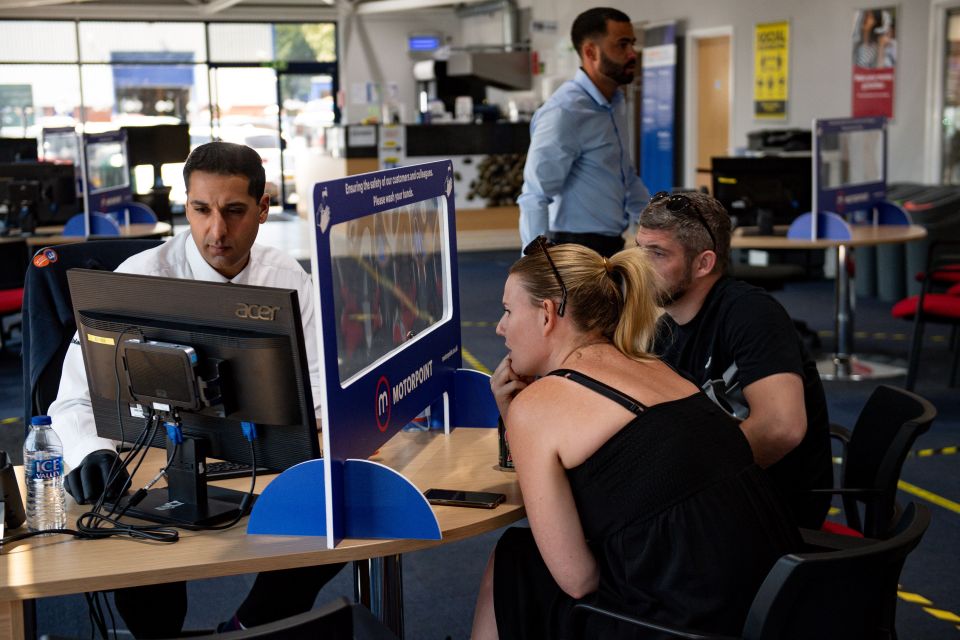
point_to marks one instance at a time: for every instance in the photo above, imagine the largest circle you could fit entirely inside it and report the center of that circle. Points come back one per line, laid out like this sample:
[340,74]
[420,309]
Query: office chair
[337,620]
[835,594]
[48,322]
[100,225]
[13,268]
[942,259]
[873,455]
[132,212]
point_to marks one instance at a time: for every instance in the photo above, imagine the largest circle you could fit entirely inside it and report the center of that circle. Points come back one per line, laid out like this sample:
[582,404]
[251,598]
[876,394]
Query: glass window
[246,42]
[388,282]
[305,42]
[951,101]
[148,42]
[20,38]
[36,96]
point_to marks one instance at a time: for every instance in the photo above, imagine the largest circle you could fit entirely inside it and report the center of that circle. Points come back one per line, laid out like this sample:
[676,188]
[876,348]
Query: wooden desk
[58,565]
[843,365]
[49,236]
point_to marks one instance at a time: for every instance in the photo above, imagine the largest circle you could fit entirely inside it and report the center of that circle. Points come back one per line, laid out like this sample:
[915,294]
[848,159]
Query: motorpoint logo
[384,403]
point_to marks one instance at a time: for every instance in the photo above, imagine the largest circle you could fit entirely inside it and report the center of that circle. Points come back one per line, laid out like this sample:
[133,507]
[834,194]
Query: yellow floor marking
[929,496]
[473,362]
[915,598]
[940,614]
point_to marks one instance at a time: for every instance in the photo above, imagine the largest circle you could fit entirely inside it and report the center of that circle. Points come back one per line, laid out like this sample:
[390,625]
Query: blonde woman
[642,495]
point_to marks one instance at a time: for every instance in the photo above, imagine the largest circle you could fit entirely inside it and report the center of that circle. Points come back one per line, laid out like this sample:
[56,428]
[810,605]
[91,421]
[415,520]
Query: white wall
[820,66]
[374,49]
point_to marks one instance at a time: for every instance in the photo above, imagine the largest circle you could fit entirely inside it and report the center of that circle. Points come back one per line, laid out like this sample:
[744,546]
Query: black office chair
[336,620]
[944,308]
[873,455]
[48,323]
[13,268]
[836,594]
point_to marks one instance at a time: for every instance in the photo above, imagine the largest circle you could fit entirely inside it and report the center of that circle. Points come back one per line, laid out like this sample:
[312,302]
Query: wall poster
[874,61]
[771,70]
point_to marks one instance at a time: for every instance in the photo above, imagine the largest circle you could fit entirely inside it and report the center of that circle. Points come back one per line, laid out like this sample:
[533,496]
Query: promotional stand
[388,326]
[849,190]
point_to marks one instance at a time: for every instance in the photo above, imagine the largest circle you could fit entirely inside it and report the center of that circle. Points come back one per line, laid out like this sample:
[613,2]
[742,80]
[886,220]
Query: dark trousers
[605,245]
[158,611]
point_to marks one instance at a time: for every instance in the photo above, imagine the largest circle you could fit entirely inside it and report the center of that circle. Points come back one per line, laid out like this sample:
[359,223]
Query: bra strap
[607,391]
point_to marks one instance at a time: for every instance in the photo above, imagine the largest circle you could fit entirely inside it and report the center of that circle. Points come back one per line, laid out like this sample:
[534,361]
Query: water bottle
[43,470]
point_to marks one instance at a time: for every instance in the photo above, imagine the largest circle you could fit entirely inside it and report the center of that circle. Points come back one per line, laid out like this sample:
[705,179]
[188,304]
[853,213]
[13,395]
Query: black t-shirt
[744,324]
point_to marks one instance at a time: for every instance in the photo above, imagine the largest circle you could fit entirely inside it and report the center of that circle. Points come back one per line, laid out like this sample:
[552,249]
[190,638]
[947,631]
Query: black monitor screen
[18,150]
[148,331]
[42,193]
[158,144]
[779,185]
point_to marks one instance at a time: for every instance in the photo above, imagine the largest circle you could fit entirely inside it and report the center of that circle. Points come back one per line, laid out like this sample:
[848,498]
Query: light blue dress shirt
[578,177]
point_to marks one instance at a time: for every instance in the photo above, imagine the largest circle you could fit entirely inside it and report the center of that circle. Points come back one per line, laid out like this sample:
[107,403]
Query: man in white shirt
[226,205]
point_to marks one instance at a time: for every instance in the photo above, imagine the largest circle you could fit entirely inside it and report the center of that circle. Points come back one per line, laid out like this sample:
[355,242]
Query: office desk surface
[861,236]
[58,564]
[48,236]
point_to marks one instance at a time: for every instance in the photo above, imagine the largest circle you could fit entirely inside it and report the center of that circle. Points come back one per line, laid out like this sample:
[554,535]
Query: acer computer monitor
[213,357]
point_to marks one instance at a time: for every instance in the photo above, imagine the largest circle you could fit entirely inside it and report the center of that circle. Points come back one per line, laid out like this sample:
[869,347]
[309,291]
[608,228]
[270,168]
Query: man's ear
[589,50]
[706,261]
[264,208]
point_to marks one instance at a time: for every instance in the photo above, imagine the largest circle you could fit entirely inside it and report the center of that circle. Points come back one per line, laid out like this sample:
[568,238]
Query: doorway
[709,85]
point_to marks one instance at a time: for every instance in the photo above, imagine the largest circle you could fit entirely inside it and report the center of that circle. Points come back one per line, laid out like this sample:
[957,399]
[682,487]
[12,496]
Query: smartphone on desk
[455,498]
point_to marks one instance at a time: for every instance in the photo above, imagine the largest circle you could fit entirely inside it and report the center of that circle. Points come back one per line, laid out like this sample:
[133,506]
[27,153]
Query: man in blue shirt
[579,184]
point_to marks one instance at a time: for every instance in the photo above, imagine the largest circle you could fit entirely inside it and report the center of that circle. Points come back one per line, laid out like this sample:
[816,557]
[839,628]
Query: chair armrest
[582,609]
[840,433]
[816,540]
[845,491]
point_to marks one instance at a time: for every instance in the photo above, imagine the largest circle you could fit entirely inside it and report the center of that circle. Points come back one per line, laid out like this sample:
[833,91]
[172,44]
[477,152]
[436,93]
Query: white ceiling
[211,9]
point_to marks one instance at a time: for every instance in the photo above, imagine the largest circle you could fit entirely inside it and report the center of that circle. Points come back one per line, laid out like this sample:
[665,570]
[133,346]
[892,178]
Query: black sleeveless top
[683,524]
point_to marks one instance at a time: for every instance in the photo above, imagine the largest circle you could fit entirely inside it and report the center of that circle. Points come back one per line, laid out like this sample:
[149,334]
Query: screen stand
[187,499]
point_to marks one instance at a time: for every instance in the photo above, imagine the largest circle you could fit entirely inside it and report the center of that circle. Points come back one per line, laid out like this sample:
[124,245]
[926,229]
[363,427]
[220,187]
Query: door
[713,103]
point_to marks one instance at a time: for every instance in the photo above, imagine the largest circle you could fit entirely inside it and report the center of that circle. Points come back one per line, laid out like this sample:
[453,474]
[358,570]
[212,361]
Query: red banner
[875,49]
[873,92]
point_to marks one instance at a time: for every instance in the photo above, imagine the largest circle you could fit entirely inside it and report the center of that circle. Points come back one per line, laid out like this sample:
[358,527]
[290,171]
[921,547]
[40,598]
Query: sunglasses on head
[678,203]
[542,243]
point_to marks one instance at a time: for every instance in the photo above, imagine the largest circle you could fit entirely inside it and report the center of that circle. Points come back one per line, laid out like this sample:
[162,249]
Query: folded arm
[778,416]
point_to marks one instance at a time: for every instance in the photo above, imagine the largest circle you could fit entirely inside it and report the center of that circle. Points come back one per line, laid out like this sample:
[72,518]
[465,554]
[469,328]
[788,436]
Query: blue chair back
[132,213]
[100,225]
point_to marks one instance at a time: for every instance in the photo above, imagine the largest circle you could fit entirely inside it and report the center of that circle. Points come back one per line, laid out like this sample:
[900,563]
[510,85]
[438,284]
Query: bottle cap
[40,420]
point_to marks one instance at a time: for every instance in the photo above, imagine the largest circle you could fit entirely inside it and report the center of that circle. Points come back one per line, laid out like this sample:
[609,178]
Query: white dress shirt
[72,413]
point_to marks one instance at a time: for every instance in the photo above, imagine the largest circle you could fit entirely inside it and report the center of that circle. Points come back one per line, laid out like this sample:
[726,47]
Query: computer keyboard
[226,470]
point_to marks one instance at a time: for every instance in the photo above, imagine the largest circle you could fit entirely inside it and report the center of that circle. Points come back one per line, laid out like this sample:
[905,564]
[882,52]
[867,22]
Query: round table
[843,365]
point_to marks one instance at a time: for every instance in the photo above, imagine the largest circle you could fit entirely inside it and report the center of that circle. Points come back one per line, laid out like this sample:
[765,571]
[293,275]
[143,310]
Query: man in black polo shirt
[719,328]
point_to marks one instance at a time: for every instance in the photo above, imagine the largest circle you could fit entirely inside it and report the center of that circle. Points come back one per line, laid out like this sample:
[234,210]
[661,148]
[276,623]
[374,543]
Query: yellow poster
[771,70]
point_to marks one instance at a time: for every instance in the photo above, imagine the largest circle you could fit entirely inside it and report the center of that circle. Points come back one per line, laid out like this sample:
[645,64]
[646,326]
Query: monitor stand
[187,499]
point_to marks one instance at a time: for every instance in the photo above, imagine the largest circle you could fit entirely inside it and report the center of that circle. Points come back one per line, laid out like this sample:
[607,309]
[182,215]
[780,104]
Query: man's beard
[666,297]
[616,72]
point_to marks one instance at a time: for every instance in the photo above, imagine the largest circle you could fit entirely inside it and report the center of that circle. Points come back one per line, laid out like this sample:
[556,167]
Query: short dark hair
[228,159]
[593,23]
[689,231]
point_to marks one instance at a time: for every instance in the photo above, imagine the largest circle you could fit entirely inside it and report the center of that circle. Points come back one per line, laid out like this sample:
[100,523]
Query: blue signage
[850,161]
[658,134]
[107,176]
[385,276]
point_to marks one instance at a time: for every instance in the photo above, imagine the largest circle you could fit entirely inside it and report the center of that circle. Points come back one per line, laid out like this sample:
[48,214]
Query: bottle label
[47,469]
